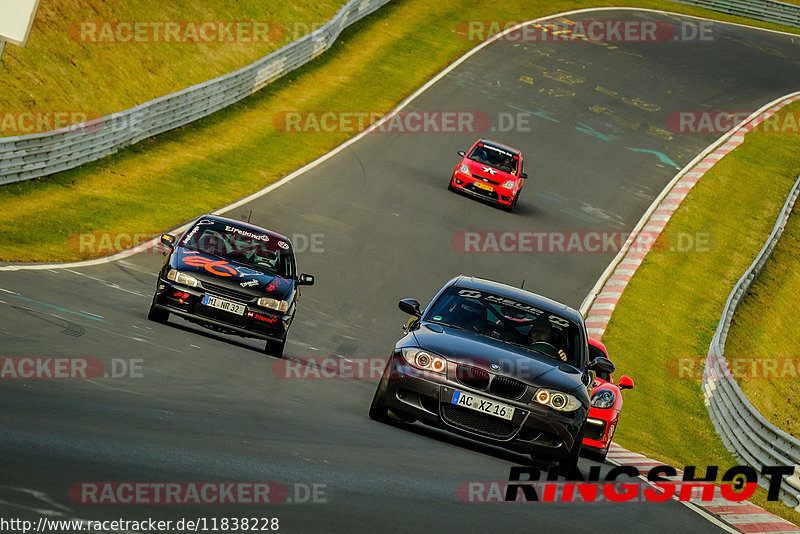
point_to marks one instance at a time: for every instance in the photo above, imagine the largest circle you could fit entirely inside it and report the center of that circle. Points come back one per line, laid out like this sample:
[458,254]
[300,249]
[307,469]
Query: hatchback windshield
[241,245]
[495,157]
[508,320]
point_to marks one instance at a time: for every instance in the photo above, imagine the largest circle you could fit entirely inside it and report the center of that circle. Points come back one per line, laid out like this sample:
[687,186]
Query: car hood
[247,279]
[484,352]
[481,169]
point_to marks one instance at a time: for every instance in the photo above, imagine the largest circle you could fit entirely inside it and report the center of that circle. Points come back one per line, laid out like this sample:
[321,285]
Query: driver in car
[541,339]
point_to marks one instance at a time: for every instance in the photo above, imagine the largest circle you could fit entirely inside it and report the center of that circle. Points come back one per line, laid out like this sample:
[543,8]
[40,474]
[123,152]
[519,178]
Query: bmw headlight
[603,398]
[273,304]
[424,360]
[464,169]
[508,184]
[563,402]
[183,278]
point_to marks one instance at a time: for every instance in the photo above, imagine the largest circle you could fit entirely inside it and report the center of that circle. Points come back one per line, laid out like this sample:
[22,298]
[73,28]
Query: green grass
[373,66]
[672,305]
[59,70]
[764,334]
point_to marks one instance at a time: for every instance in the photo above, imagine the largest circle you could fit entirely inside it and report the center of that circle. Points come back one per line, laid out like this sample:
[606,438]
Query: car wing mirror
[305,280]
[410,306]
[523,175]
[625,382]
[168,240]
[602,365]
[462,153]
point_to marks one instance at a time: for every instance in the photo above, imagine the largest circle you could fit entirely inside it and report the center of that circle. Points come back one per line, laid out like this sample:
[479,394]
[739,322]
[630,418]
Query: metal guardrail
[766,10]
[742,428]
[31,156]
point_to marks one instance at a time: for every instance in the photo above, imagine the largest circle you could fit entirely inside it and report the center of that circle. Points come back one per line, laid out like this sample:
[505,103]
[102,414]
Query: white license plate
[225,305]
[479,404]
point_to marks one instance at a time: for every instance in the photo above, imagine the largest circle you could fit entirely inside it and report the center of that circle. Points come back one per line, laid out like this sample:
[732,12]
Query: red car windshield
[495,157]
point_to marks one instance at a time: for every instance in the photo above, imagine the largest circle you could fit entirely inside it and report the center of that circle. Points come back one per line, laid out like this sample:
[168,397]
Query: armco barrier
[743,429]
[31,156]
[766,10]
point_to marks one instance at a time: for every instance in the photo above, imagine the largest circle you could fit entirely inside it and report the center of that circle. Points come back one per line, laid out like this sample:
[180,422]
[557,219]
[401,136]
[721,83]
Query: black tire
[377,410]
[510,207]
[571,461]
[595,455]
[275,348]
[450,185]
[157,314]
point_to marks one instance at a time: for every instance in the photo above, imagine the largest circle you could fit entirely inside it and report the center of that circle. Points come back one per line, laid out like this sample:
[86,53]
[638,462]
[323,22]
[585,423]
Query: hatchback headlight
[508,184]
[557,400]
[464,169]
[603,398]
[182,278]
[273,304]
[424,360]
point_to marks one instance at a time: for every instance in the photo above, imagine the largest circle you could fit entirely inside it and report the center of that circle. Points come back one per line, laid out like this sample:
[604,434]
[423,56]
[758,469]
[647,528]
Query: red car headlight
[603,399]
[508,184]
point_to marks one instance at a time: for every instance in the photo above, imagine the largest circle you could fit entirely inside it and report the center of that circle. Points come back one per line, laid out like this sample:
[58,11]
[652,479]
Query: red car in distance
[491,171]
[605,407]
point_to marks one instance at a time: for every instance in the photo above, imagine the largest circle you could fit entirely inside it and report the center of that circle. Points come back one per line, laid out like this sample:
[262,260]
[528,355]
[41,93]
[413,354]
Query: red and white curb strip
[742,516]
[653,223]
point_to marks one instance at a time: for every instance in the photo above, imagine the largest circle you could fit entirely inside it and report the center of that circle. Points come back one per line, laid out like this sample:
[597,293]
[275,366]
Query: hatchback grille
[484,179]
[485,425]
[223,291]
[472,377]
[509,388]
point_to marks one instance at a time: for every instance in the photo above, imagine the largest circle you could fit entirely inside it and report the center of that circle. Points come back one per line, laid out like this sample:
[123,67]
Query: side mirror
[462,153]
[602,365]
[305,280]
[410,306]
[625,382]
[523,175]
[168,240]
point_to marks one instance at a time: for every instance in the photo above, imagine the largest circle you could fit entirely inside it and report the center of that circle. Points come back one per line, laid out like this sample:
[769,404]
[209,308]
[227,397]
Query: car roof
[243,225]
[505,290]
[500,145]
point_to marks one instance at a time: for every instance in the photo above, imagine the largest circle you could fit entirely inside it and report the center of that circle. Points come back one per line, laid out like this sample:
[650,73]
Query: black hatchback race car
[232,277]
[495,363]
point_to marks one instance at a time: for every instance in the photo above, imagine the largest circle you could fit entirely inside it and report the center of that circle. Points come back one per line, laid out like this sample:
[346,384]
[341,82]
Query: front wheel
[571,462]
[275,348]
[158,315]
[450,185]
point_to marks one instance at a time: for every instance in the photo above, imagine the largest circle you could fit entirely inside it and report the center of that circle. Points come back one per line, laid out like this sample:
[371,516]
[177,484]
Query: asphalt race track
[208,407]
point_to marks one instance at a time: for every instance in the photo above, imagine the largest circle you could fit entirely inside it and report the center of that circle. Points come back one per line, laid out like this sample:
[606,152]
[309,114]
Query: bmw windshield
[510,321]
